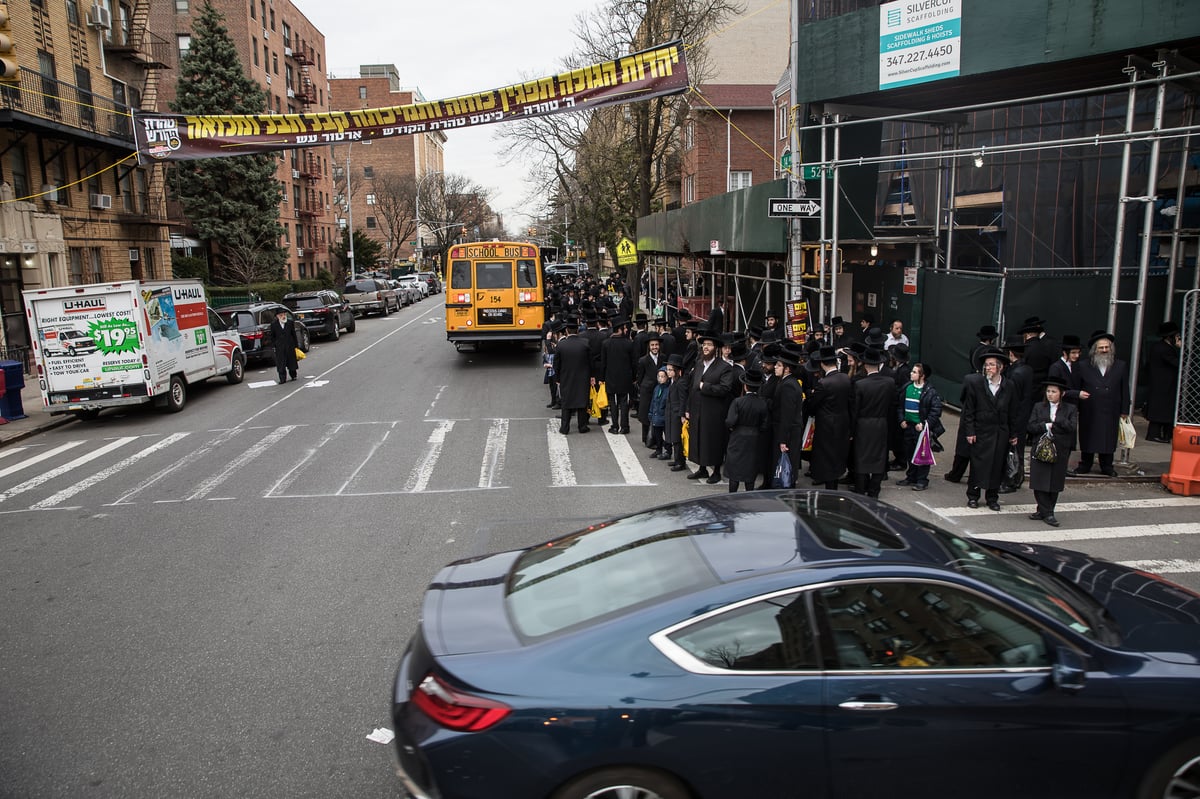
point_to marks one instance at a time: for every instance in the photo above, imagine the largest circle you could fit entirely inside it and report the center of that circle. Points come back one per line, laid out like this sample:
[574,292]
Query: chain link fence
[1187,409]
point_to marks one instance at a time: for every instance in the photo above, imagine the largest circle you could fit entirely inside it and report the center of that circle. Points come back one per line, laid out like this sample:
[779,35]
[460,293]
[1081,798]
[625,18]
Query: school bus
[494,292]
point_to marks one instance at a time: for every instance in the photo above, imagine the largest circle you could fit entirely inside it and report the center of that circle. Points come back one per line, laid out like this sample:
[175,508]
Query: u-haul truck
[127,343]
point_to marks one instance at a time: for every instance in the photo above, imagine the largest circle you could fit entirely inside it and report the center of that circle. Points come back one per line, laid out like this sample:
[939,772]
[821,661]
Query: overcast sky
[446,48]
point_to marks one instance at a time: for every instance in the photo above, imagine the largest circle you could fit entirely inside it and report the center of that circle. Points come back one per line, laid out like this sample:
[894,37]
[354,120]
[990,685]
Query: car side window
[772,635]
[919,625]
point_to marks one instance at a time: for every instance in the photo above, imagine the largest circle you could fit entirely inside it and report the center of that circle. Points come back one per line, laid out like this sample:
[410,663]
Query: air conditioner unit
[300,251]
[100,201]
[266,34]
[295,174]
[291,92]
[287,52]
[268,80]
[296,213]
[134,254]
[100,17]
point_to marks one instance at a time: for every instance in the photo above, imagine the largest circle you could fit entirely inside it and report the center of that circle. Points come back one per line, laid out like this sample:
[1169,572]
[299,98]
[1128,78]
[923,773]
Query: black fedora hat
[738,351]
[676,361]
[1099,334]
[770,353]
[1055,381]
[754,332]
[875,337]
[990,352]
[873,356]
[1032,324]
[857,349]
[772,314]
[1167,329]
[751,377]
[683,314]
[824,354]
[709,335]
[987,332]
[1070,341]
[837,321]
[640,317]
[652,337]
[1015,343]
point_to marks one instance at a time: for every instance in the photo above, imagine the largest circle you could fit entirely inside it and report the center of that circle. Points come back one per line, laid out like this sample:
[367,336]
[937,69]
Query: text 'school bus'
[494,293]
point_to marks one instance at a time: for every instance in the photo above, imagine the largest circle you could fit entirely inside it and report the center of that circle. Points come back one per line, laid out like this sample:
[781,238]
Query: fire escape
[311,210]
[133,40]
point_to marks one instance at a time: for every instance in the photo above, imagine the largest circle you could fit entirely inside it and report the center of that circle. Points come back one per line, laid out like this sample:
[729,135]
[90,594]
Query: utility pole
[349,214]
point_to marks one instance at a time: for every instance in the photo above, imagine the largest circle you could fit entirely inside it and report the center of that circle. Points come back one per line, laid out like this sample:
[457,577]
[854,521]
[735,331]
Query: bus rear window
[460,275]
[527,274]
[494,275]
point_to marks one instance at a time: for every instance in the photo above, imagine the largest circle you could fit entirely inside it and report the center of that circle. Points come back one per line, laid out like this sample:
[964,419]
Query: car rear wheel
[1176,775]
[334,332]
[623,783]
[351,324]
[304,341]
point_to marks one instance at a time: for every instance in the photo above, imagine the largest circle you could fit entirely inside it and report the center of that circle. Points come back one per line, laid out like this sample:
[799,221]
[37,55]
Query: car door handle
[858,704]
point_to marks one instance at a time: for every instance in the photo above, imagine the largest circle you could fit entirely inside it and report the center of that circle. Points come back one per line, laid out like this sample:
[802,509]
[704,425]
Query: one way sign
[793,207]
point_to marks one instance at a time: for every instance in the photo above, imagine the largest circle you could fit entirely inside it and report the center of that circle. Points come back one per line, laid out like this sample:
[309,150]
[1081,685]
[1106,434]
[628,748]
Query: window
[362,92]
[689,135]
[266,56]
[289,77]
[73,12]
[287,35]
[368,172]
[95,263]
[272,19]
[275,63]
[370,199]
[49,80]
[924,625]
[689,189]
[19,171]
[740,180]
[148,264]
[83,95]
[775,634]
[253,10]
[75,278]
[181,6]
[781,115]
[122,124]
[183,42]
[371,222]
[254,48]
[526,275]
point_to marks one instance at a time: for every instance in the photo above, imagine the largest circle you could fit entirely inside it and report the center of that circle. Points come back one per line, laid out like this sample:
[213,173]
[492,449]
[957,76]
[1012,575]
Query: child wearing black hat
[748,420]
[658,415]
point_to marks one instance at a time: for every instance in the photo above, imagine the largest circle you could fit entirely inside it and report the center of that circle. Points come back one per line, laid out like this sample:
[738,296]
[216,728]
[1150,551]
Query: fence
[1187,408]
[18,354]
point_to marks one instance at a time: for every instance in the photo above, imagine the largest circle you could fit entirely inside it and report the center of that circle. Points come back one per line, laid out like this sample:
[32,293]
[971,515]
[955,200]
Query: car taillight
[255,334]
[456,710]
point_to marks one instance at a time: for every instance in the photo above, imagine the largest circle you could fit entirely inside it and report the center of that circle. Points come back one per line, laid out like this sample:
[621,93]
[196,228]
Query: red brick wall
[719,148]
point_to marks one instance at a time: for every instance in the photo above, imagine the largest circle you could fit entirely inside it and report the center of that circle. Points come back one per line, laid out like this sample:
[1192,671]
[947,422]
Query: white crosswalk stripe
[419,479]
[65,468]
[631,469]
[82,485]
[36,459]
[957,511]
[1052,535]
[561,473]
[493,453]
[1173,566]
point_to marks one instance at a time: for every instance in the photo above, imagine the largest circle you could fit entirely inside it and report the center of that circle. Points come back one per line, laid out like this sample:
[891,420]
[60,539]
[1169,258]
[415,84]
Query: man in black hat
[840,339]
[618,364]
[874,404]
[749,421]
[1040,349]
[1103,401]
[573,365]
[666,344]
[1163,366]
[990,422]
[767,358]
[682,316]
[787,412]
[829,405]
[1021,376]
[641,332]
[816,338]
[646,377]
[1064,369]
[281,334]
[677,402]
[709,395]
[771,330]
[549,343]
[986,339]
[865,323]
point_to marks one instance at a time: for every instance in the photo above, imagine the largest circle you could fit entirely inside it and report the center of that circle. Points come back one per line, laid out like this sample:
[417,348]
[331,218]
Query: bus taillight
[526,296]
[462,297]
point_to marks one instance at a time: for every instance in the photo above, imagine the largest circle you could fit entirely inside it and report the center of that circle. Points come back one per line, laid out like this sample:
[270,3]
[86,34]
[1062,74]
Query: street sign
[800,206]
[626,252]
[810,172]
[786,160]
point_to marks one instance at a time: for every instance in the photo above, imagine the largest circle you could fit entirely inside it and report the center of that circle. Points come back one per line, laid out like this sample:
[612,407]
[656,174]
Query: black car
[252,320]
[431,279]
[323,312]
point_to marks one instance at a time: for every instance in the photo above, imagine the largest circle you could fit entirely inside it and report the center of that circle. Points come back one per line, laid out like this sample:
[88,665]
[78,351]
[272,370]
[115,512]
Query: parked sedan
[413,284]
[323,312]
[797,643]
[252,321]
[431,279]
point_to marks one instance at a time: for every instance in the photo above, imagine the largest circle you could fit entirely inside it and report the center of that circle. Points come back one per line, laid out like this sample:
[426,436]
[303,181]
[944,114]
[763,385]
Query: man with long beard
[1103,401]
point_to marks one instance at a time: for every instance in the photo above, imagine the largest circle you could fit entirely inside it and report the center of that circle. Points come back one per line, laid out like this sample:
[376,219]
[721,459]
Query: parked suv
[431,279]
[252,321]
[322,312]
[370,295]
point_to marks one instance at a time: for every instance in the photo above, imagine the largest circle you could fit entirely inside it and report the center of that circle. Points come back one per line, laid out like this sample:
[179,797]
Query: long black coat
[829,405]
[618,362]
[707,405]
[1163,363]
[1052,477]
[1108,400]
[1039,354]
[646,376]
[1022,375]
[873,408]
[993,420]
[283,338]
[748,420]
[573,365]
[677,403]
[787,421]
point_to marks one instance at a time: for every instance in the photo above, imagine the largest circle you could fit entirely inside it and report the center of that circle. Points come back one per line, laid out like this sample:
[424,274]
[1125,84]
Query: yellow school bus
[494,292]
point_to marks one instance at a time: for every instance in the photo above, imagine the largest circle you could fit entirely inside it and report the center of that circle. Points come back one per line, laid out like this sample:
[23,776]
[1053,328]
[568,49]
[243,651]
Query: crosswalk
[336,459]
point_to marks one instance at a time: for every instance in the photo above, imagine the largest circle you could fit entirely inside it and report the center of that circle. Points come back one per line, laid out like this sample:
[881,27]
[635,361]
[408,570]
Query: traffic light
[9,69]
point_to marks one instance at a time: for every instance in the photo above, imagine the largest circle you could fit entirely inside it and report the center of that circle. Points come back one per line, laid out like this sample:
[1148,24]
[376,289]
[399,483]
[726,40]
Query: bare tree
[241,253]
[396,211]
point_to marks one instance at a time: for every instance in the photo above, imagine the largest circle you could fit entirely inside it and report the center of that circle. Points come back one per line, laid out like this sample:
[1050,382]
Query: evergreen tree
[233,202]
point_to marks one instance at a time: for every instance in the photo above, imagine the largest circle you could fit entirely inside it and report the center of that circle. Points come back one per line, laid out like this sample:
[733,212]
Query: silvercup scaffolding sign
[657,72]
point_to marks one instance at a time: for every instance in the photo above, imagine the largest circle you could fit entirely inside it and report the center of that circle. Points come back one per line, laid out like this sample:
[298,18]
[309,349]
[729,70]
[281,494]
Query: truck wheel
[238,371]
[176,394]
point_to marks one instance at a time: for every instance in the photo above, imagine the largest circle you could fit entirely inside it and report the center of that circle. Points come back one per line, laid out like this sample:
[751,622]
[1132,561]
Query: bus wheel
[176,394]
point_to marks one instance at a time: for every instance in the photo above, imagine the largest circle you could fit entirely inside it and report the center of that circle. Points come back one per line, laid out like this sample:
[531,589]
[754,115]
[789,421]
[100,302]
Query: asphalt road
[212,603]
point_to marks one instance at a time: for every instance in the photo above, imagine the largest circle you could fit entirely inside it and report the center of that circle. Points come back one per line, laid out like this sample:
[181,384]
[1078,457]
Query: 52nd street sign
[800,206]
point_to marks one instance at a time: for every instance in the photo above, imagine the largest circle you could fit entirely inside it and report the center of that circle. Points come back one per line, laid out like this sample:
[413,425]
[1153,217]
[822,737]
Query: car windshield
[242,320]
[600,571]
[1013,576]
[303,303]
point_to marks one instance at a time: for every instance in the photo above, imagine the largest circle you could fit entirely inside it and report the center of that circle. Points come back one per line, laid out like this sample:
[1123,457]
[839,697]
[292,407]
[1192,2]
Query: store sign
[919,41]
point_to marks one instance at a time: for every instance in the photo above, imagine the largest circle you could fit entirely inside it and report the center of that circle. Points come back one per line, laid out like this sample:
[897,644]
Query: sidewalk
[1148,461]
[37,417]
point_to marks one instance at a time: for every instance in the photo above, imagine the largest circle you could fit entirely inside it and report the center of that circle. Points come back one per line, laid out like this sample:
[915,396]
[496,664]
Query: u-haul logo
[192,293]
[84,305]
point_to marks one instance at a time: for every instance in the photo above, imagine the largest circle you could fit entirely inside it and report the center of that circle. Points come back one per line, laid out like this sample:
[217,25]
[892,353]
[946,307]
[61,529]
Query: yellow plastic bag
[684,437]
[300,356]
[599,401]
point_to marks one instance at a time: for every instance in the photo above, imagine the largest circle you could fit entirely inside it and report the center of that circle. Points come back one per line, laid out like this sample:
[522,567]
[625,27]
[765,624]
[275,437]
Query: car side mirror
[1070,669]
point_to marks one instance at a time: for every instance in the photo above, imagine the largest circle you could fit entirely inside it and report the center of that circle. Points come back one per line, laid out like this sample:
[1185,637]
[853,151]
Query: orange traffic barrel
[1184,475]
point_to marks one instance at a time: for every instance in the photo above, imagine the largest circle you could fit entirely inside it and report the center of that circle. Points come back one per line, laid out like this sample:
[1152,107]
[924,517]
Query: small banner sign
[657,72]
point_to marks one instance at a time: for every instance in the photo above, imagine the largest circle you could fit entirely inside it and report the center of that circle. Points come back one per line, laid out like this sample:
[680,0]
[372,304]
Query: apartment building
[382,165]
[75,205]
[285,54]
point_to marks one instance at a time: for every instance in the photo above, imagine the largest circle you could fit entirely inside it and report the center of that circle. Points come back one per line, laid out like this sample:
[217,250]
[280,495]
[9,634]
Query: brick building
[382,165]
[75,206]
[285,54]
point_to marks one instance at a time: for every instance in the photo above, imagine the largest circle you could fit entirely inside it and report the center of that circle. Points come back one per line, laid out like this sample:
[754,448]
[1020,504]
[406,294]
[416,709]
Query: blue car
[786,644]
